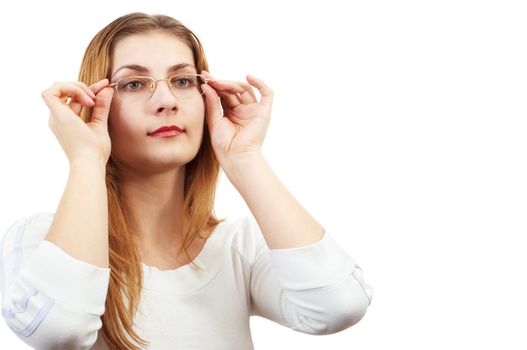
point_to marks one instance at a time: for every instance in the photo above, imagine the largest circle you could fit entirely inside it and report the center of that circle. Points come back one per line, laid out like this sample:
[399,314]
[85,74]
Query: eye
[132,84]
[183,81]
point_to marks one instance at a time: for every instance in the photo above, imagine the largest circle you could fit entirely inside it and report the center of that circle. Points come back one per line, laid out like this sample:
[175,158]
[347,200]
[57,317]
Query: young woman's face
[131,121]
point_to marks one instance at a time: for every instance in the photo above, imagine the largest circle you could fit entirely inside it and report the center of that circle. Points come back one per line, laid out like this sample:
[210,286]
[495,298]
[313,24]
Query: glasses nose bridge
[153,86]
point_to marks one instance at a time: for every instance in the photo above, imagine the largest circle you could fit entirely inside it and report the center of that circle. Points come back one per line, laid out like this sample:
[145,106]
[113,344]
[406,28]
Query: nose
[163,97]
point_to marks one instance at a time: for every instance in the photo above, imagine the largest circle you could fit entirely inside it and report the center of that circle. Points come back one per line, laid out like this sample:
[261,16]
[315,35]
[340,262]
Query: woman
[134,256]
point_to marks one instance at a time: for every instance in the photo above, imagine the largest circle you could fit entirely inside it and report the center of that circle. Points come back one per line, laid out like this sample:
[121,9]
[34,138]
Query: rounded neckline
[188,279]
[199,260]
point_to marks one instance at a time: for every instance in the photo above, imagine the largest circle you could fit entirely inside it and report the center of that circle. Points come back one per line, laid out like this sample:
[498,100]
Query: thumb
[214,112]
[103,101]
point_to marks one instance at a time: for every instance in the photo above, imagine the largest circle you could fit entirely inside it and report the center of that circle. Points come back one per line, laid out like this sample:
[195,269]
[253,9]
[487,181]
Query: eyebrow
[142,69]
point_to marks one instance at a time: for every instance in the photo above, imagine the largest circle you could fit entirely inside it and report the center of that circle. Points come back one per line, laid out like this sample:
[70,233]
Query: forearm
[282,219]
[80,225]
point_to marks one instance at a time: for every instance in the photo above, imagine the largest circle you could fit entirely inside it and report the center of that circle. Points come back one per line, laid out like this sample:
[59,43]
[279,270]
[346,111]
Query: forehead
[155,50]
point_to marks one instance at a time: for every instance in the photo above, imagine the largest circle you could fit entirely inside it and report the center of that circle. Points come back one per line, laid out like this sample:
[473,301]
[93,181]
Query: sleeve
[315,289]
[50,299]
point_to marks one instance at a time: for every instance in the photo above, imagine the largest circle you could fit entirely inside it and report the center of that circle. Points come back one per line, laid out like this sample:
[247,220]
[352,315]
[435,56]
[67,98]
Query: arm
[80,226]
[54,272]
[237,132]
[305,280]
[300,276]
[283,221]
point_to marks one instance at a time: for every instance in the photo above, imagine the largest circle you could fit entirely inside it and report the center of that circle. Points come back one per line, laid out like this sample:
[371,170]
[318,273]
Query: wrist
[88,162]
[238,167]
[241,161]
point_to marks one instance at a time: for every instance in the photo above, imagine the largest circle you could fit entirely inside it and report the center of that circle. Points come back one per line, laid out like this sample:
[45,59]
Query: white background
[399,125]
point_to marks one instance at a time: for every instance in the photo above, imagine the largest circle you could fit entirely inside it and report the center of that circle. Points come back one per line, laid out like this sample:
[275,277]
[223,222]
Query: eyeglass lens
[183,86]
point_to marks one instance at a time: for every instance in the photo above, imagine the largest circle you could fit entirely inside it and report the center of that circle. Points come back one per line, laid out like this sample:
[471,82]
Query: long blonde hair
[201,177]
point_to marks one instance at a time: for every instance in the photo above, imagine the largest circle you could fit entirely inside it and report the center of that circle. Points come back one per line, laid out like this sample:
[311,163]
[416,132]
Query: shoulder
[244,236]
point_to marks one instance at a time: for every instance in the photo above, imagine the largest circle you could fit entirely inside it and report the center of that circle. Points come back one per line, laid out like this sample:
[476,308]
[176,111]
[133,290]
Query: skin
[154,168]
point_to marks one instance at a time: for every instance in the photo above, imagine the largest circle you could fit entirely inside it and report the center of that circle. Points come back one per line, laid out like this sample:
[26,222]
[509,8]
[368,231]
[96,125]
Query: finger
[56,97]
[228,100]
[85,88]
[76,107]
[214,112]
[248,95]
[101,109]
[207,75]
[265,91]
[243,90]
[91,90]
[73,92]
[231,99]
[98,86]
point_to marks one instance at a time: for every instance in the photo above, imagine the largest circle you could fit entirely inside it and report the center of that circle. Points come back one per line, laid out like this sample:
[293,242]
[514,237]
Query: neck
[155,205]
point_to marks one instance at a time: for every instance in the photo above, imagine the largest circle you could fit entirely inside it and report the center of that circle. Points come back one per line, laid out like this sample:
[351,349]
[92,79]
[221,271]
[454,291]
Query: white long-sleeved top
[52,300]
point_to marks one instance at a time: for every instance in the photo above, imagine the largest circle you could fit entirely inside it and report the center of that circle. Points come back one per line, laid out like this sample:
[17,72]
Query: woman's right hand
[77,138]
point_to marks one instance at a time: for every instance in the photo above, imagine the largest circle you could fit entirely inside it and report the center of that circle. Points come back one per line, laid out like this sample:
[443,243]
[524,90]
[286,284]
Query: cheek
[198,118]
[120,124]
[113,116]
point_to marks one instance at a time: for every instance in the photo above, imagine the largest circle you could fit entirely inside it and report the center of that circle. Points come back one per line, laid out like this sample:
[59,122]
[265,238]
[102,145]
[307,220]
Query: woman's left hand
[239,129]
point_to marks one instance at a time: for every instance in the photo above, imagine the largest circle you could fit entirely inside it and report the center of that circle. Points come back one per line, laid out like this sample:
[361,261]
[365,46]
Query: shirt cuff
[313,266]
[69,281]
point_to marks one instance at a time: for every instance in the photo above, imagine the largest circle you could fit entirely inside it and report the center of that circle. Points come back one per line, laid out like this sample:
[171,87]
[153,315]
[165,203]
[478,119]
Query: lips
[166,128]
